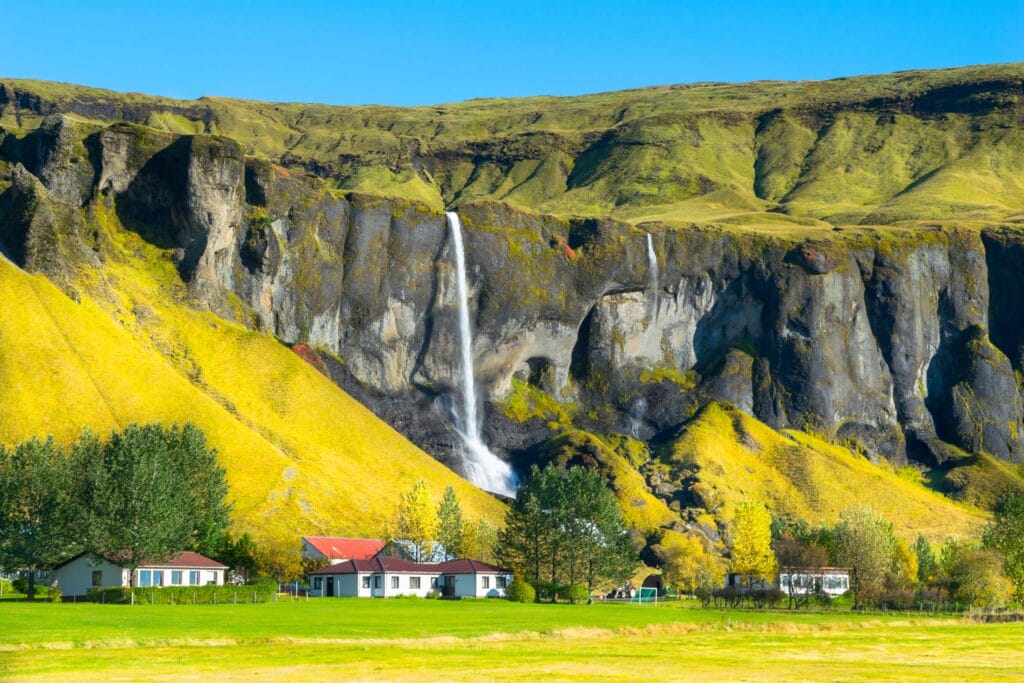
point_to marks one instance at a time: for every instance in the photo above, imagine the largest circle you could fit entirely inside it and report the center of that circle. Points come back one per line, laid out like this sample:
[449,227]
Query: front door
[330,586]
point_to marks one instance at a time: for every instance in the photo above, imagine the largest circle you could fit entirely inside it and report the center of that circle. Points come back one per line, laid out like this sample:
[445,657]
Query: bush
[21,586]
[549,591]
[55,594]
[521,591]
[576,593]
[770,597]
[187,595]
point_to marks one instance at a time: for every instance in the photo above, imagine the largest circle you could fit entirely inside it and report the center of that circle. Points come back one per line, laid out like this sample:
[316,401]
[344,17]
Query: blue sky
[422,53]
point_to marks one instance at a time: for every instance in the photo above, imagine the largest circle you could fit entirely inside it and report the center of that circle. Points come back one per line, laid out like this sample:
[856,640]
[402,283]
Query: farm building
[87,571]
[795,581]
[384,576]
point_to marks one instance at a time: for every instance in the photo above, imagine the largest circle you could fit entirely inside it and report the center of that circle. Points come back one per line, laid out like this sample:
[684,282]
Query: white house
[833,581]
[335,549]
[87,571]
[383,577]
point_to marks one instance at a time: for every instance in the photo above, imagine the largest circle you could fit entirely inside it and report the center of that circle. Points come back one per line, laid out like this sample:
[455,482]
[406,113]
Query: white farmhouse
[87,571]
[383,577]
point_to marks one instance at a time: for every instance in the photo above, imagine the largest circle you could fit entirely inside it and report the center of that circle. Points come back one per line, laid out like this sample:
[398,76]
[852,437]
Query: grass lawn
[414,639]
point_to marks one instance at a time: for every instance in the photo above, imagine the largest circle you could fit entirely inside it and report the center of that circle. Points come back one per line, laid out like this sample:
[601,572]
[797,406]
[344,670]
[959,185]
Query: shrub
[55,594]
[521,591]
[187,595]
[770,597]
[575,593]
[21,586]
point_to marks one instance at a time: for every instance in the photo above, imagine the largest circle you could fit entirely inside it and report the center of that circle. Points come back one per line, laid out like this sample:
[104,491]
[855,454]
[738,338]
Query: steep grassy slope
[301,455]
[916,145]
[728,455]
[723,456]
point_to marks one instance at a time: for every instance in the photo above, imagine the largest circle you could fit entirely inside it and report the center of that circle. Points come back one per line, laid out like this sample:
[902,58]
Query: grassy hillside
[908,146]
[301,455]
[728,456]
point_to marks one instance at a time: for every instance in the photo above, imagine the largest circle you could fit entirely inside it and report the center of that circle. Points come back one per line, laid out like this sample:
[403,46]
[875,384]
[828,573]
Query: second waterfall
[482,467]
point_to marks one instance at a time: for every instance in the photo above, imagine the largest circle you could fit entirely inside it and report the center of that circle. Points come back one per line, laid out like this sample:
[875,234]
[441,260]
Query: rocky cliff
[903,342]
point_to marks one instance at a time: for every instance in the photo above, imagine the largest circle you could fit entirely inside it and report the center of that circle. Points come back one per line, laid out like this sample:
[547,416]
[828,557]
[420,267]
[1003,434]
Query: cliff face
[904,342]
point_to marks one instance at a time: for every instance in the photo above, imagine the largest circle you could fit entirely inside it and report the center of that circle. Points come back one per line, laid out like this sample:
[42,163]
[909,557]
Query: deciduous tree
[752,541]
[450,527]
[1006,534]
[417,520]
[40,514]
[865,543]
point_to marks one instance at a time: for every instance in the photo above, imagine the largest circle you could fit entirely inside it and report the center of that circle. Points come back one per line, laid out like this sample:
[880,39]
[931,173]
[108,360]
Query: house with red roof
[387,577]
[86,571]
[334,549]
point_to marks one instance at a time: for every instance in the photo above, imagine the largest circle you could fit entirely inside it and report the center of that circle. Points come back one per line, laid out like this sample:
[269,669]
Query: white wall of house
[481,585]
[177,576]
[87,572]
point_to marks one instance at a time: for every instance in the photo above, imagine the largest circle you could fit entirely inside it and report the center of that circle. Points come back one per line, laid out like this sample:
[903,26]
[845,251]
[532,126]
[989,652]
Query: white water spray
[652,274]
[483,467]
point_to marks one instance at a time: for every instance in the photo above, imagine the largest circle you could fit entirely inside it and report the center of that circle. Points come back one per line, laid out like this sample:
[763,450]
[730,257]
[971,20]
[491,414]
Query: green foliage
[520,590]
[866,544]
[975,577]
[576,593]
[687,564]
[40,507]
[227,594]
[927,563]
[566,527]
[151,491]
[1006,535]
[450,531]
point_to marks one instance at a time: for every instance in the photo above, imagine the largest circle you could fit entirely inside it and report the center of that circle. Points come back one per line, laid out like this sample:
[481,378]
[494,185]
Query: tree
[1006,534]
[150,492]
[479,540]
[40,515]
[927,564]
[752,541]
[865,543]
[976,578]
[682,561]
[566,526]
[417,520]
[450,529]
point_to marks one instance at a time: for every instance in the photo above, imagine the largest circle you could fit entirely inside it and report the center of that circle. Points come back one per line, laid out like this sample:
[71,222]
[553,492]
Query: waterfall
[482,467]
[652,274]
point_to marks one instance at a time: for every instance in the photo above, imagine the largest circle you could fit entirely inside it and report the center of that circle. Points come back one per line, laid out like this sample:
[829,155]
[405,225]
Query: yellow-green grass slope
[910,146]
[731,456]
[301,455]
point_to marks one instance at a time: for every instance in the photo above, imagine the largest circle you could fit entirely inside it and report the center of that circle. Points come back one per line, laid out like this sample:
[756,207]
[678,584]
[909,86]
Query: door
[330,586]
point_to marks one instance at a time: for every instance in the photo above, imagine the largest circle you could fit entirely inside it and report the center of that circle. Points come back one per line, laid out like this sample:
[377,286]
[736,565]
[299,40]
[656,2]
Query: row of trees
[142,495]
[565,528]
[425,523]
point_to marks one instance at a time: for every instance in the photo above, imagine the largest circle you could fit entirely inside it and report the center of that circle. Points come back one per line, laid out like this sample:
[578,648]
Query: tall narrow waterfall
[652,274]
[482,467]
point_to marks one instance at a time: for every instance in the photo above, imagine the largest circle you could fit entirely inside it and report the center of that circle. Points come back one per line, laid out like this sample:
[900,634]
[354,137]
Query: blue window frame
[158,577]
[193,578]
[145,578]
[176,578]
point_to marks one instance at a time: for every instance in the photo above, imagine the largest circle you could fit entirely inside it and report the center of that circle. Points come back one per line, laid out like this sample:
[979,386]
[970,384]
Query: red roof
[398,565]
[345,548]
[188,560]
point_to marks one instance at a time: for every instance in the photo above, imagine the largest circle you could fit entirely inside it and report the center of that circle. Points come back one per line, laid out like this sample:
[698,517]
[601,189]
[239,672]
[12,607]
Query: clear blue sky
[419,53]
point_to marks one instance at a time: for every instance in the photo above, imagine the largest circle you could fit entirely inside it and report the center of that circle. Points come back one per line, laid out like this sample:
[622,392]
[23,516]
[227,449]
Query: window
[97,578]
[145,578]
[433,582]
[193,578]
[158,577]
[485,582]
[378,581]
[366,582]
[414,582]
[394,582]
[176,578]
[318,582]
[502,582]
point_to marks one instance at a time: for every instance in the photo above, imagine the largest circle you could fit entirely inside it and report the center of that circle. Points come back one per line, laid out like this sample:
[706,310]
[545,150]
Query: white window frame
[485,582]
[366,581]
[396,582]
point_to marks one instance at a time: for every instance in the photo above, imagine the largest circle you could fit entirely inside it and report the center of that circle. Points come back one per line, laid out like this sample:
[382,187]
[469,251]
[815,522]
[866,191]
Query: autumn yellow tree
[417,520]
[686,564]
[752,541]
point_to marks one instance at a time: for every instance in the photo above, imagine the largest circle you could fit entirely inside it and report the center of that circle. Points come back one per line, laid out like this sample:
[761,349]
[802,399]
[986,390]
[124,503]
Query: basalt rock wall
[904,342]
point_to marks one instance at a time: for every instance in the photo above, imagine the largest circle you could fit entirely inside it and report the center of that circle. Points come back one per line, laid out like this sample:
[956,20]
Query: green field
[421,639]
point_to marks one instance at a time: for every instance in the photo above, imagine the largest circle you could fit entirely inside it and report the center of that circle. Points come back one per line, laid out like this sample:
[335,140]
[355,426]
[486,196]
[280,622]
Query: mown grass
[418,639]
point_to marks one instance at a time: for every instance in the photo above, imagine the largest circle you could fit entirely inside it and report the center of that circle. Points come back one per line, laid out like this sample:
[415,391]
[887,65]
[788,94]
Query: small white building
[833,581]
[87,571]
[383,577]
